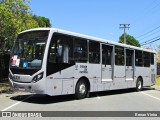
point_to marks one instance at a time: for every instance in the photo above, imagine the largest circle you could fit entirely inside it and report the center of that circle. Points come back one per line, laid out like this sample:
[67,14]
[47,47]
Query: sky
[102,18]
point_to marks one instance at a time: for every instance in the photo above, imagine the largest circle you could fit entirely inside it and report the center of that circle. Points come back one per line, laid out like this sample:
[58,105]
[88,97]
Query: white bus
[57,62]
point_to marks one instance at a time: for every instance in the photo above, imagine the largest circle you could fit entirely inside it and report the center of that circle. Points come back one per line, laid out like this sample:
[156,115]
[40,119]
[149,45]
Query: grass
[158,80]
[4,85]
[4,88]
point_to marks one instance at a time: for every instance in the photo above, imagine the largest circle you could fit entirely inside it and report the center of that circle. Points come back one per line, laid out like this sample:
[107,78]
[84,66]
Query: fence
[4,66]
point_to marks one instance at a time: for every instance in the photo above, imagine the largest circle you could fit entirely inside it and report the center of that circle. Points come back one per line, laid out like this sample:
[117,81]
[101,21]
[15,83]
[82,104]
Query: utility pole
[124,26]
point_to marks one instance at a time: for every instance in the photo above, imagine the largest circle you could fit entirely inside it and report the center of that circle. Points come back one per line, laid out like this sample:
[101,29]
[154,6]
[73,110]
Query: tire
[81,89]
[139,85]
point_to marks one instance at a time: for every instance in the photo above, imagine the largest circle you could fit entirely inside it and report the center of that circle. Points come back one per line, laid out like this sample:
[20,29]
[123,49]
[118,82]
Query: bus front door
[107,65]
[129,64]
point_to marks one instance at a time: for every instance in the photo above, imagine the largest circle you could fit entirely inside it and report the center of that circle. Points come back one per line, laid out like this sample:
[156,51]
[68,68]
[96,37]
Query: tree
[42,21]
[159,47]
[15,17]
[130,40]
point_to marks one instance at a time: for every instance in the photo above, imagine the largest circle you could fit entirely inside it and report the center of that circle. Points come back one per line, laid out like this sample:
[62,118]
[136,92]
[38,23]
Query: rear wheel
[81,89]
[139,85]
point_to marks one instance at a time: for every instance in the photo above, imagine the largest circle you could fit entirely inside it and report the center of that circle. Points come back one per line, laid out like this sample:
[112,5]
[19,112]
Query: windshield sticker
[15,61]
[25,64]
[15,57]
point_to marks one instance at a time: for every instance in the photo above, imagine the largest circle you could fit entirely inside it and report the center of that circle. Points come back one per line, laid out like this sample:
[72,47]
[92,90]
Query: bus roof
[105,41]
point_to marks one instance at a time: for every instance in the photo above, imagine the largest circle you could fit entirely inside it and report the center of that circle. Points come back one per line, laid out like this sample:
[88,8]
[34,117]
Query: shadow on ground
[44,99]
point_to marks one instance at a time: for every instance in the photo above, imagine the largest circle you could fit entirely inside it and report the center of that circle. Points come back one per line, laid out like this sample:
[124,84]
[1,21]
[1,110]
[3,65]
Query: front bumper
[21,86]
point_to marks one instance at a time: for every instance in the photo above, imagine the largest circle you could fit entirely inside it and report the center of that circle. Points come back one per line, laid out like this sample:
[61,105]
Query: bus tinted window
[119,55]
[152,58]
[129,57]
[106,54]
[138,58]
[94,52]
[61,49]
[80,50]
[146,59]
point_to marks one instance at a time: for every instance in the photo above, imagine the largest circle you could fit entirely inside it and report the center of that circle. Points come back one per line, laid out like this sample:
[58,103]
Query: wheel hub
[82,88]
[139,85]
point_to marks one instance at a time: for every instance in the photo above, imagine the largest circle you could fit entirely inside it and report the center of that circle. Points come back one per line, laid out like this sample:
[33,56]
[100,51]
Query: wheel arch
[86,80]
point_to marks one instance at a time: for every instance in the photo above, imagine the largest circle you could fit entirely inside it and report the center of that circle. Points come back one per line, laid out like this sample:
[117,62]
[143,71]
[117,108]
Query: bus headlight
[37,77]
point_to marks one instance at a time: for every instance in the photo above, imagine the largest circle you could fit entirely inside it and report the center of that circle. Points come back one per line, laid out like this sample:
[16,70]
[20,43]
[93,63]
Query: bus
[55,62]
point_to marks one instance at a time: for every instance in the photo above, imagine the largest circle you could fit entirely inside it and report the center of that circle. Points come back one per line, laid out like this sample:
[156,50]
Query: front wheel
[81,89]
[139,85]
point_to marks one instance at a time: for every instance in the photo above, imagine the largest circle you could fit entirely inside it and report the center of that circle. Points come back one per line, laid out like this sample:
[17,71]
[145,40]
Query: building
[158,62]
[158,56]
[158,68]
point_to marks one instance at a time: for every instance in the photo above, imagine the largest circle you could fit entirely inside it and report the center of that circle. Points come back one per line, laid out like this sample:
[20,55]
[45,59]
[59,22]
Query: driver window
[61,49]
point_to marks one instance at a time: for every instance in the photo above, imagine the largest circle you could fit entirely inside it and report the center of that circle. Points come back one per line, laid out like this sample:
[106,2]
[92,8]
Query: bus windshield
[28,50]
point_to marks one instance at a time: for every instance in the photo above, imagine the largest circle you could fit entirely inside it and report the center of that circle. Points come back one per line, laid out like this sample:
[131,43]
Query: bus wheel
[139,84]
[81,89]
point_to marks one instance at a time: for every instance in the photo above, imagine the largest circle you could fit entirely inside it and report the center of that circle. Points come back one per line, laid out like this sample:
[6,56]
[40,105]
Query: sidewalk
[156,87]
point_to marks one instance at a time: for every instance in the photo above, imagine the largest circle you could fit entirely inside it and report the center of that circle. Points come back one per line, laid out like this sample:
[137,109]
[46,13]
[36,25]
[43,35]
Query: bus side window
[52,53]
[138,58]
[94,52]
[80,50]
[61,49]
[146,59]
[119,55]
[106,54]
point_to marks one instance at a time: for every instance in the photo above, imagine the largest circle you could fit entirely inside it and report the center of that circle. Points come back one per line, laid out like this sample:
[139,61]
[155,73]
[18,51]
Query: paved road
[119,100]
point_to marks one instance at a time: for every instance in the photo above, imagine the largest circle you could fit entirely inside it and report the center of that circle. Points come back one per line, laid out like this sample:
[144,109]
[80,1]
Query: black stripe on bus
[57,67]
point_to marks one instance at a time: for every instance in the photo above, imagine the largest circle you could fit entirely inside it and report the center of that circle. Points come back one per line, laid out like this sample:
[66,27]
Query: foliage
[159,47]
[15,17]
[158,80]
[130,40]
[42,21]
[4,66]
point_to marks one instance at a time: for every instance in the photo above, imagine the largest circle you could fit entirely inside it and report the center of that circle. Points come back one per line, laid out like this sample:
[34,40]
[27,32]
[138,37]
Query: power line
[150,39]
[151,42]
[152,7]
[150,35]
[148,32]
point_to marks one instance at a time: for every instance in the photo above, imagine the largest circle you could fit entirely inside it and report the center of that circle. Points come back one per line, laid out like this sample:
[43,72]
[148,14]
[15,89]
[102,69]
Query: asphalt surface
[117,100]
